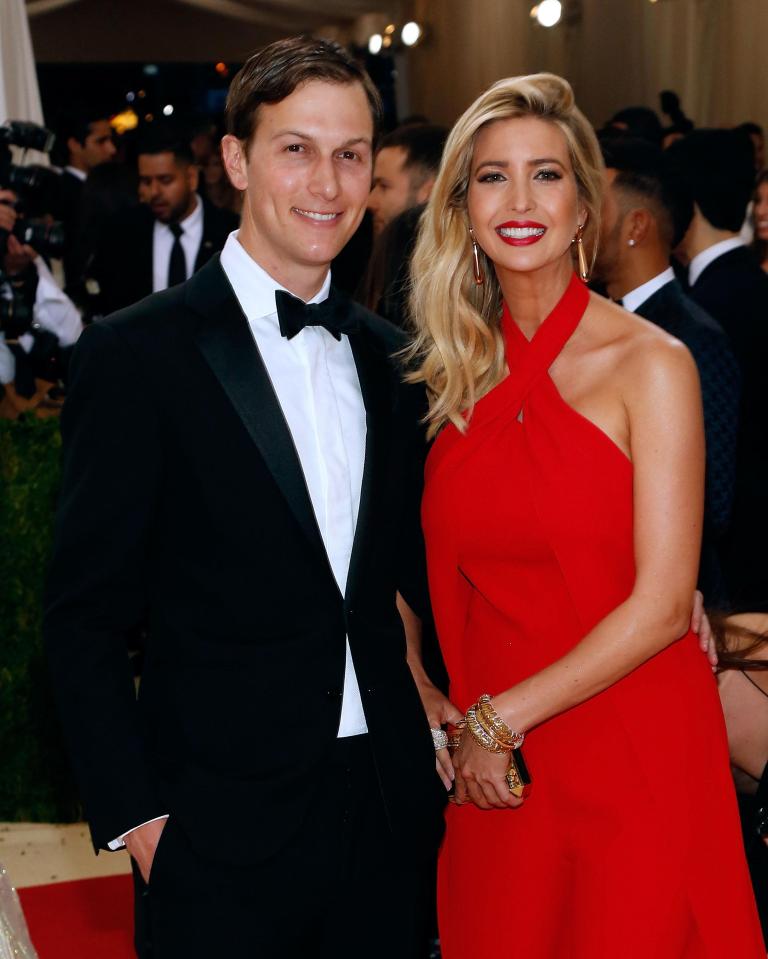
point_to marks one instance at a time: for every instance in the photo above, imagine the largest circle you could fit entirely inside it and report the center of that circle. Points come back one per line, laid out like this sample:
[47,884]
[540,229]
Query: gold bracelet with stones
[481,735]
[495,726]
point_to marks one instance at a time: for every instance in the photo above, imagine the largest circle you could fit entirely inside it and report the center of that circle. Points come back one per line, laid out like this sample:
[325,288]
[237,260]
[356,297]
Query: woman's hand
[440,712]
[480,776]
[700,625]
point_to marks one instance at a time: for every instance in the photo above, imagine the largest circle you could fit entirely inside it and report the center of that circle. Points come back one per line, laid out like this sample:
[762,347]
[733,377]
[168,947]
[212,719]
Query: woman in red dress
[562,517]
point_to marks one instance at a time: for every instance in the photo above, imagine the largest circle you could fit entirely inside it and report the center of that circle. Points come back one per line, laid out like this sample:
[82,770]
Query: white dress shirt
[162,244]
[635,298]
[702,260]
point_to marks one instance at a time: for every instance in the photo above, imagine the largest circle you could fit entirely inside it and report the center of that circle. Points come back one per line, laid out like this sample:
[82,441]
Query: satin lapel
[373,372]
[225,340]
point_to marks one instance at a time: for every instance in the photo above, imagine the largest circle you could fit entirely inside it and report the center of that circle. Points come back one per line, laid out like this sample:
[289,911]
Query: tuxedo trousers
[342,887]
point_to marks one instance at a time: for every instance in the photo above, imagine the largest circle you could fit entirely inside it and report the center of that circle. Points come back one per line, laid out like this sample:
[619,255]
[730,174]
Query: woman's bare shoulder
[641,351]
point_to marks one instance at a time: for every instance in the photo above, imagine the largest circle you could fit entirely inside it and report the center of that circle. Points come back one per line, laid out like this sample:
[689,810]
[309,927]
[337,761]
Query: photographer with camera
[38,321]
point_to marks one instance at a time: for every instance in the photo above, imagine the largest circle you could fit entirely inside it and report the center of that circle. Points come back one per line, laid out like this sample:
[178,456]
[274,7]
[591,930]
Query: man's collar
[252,285]
[635,298]
[702,260]
[77,173]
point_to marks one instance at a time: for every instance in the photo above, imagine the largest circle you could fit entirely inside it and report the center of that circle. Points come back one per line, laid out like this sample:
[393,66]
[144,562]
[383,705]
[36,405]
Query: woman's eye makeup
[547,174]
[492,177]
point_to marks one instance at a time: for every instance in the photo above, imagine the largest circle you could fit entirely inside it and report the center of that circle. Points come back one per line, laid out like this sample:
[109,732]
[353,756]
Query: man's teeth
[317,216]
[520,232]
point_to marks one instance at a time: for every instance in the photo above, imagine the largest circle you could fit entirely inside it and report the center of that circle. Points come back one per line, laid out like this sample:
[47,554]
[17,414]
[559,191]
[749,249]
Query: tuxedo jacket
[122,266]
[673,311]
[734,290]
[183,503]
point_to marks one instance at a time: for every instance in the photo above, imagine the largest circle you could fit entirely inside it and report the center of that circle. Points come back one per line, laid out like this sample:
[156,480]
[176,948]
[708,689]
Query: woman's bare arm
[663,401]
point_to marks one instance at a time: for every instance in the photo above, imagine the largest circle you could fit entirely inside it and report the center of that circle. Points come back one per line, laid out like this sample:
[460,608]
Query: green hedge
[35,783]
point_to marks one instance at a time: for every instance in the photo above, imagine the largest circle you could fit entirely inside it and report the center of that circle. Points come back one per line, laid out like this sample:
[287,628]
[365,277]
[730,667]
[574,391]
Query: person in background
[742,646]
[86,142]
[639,122]
[109,191]
[680,124]
[713,171]
[34,352]
[757,136]
[760,220]
[636,238]
[755,133]
[404,171]
[385,286]
[218,190]
[169,236]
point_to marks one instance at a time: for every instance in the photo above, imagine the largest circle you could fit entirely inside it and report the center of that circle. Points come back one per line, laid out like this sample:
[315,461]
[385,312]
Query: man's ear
[74,146]
[235,162]
[424,191]
[638,223]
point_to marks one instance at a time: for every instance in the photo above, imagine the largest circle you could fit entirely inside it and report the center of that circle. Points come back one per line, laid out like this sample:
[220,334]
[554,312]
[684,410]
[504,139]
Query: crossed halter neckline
[528,361]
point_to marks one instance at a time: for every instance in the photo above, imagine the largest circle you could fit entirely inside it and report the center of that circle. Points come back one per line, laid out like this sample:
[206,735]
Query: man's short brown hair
[274,72]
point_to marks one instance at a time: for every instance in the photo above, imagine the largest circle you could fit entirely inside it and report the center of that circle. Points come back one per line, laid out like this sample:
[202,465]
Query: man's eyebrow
[308,136]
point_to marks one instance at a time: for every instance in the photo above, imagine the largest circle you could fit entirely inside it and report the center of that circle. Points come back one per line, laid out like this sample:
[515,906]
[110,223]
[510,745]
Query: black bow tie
[333,314]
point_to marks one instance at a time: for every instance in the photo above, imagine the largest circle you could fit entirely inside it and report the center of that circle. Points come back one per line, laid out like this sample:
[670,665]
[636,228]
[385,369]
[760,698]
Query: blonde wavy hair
[458,350]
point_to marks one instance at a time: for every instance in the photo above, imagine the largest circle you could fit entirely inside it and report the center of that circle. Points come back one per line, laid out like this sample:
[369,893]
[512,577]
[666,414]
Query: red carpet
[87,919]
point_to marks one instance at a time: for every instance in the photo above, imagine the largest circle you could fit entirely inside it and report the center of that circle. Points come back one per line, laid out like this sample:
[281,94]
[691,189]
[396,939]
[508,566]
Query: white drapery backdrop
[19,92]
[617,53]
[285,15]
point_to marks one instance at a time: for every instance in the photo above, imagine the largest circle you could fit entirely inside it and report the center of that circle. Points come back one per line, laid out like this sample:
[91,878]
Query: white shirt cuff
[119,843]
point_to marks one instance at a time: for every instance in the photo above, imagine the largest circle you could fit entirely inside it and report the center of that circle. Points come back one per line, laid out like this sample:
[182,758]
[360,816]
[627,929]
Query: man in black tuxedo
[244,472]
[636,238]
[168,236]
[86,136]
[715,170]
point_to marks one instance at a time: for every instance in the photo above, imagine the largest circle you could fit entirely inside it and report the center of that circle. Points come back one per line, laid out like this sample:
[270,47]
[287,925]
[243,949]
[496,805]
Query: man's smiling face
[307,175]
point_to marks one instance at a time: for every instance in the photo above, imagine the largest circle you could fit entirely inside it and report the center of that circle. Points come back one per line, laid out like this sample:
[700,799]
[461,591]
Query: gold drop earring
[583,268]
[477,269]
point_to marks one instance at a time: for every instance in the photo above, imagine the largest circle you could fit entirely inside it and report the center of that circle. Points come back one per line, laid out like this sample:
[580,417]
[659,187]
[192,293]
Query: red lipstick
[521,232]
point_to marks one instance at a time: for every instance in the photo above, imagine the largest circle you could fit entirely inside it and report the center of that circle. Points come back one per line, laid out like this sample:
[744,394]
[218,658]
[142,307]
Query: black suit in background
[673,311]
[188,506]
[67,209]
[734,290]
[122,266]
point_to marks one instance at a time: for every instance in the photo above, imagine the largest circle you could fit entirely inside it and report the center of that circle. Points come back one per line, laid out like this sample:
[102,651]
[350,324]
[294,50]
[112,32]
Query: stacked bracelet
[489,729]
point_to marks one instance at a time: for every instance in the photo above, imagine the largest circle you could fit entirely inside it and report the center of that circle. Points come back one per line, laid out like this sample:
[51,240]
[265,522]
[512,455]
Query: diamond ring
[439,738]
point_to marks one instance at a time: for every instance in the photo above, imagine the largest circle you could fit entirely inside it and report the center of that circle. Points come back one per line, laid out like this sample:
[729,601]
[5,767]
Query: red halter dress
[629,845]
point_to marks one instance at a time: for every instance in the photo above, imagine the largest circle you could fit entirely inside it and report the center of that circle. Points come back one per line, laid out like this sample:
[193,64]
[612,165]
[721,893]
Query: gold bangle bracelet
[496,726]
[481,735]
